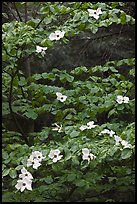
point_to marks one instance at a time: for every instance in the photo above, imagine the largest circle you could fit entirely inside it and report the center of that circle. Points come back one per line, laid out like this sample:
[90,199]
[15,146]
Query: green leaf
[31,114]
[13,173]
[77,16]
[81,183]
[22,81]
[5,155]
[112,112]
[74,133]
[71,177]
[126,153]
[48,179]
[5,172]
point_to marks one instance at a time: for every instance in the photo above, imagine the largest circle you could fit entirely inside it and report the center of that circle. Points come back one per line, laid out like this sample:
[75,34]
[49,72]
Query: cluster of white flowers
[55,155]
[118,139]
[122,99]
[88,126]
[124,143]
[35,159]
[57,128]
[87,155]
[106,131]
[25,180]
[57,35]
[61,97]
[41,50]
[95,13]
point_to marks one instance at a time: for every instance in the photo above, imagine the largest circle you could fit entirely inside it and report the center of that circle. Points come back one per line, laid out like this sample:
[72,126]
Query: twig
[17,11]
[12,112]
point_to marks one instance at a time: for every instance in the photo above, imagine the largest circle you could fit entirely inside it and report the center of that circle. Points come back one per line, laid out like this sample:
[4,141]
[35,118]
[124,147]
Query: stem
[12,112]
[17,12]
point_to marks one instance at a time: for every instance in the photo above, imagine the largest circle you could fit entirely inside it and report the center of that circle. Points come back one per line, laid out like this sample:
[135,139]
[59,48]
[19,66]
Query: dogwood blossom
[57,128]
[95,13]
[25,174]
[61,97]
[57,35]
[120,99]
[41,50]
[125,99]
[106,131]
[33,162]
[89,125]
[83,127]
[117,139]
[55,155]
[126,144]
[24,183]
[87,155]
[37,155]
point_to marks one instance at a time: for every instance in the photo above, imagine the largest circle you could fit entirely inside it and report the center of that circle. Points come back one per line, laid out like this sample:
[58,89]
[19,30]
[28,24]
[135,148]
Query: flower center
[24,184]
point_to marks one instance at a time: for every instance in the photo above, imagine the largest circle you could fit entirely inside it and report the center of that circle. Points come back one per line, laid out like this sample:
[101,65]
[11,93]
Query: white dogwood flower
[61,97]
[24,183]
[95,13]
[117,139]
[87,155]
[106,131]
[125,99]
[25,174]
[37,155]
[55,155]
[33,162]
[41,50]
[83,127]
[57,128]
[57,35]
[126,144]
[120,99]
[90,125]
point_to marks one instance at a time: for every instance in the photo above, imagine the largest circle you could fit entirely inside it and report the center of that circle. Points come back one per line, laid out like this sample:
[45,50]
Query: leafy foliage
[30,109]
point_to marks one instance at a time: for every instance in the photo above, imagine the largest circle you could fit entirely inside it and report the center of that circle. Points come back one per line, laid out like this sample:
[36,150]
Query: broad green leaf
[13,173]
[5,172]
[126,153]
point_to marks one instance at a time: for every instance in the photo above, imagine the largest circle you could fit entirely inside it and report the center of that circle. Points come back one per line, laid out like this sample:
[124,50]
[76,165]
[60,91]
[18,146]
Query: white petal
[36,165]
[86,157]
[92,156]
[63,98]
[83,127]
[126,99]
[98,11]
[38,49]
[52,36]
[111,133]
[56,151]
[91,11]
[22,188]
[85,151]
[23,170]
[96,16]
[55,159]
[51,154]
[59,157]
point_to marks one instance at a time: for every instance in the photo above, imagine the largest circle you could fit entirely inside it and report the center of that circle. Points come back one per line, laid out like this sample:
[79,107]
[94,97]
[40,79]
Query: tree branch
[17,11]
[12,112]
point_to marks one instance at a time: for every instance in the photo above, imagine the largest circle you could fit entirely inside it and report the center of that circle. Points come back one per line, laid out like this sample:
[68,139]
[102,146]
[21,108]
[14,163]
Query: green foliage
[91,96]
